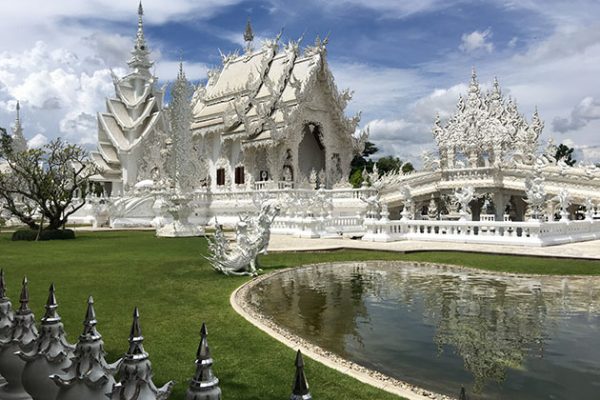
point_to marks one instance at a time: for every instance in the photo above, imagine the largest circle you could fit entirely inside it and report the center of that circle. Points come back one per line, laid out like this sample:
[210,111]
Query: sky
[406,61]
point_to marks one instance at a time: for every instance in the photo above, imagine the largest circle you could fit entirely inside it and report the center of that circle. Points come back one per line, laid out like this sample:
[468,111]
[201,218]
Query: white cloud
[56,87]
[378,91]
[440,102]
[587,110]
[37,141]
[476,40]
[167,70]
[391,8]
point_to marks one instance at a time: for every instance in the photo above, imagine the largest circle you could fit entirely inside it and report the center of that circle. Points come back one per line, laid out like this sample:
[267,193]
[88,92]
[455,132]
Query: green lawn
[176,290]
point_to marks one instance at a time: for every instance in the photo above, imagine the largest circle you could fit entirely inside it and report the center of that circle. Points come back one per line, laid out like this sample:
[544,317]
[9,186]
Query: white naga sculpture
[463,197]
[252,239]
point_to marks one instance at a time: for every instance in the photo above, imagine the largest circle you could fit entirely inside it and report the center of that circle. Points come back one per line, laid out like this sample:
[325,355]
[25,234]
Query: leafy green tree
[390,163]
[360,162]
[407,167]
[565,153]
[43,181]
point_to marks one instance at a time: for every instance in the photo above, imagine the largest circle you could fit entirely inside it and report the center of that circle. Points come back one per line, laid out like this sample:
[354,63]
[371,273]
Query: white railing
[315,227]
[528,233]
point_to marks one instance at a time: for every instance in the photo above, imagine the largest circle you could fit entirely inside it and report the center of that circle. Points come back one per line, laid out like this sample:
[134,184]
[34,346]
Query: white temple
[269,115]
[270,124]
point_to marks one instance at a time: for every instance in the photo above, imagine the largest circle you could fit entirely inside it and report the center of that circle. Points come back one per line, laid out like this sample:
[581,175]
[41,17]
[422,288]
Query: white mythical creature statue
[321,203]
[463,197]
[373,205]
[589,209]
[536,196]
[252,239]
[564,201]
[407,212]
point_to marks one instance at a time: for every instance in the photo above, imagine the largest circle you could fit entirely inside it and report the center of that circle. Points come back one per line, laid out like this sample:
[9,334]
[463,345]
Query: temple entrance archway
[311,151]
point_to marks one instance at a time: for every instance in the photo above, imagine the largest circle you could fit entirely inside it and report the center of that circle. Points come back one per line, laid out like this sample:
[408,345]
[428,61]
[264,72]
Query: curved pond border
[365,375]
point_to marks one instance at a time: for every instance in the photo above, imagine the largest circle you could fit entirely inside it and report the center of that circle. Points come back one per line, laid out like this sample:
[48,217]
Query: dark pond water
[441,328]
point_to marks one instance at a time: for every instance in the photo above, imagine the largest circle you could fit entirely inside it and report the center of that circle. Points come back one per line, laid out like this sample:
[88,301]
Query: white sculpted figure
[536,195]
[252,239]
[407,211]
[589,209]
[564,201]
[373,205]
[463,197]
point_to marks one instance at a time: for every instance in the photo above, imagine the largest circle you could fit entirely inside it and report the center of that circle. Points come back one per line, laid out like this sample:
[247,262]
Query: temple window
[220,176]
[239,175]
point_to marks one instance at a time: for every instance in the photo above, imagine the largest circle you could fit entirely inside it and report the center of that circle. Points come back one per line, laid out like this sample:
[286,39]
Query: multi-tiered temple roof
[256,96]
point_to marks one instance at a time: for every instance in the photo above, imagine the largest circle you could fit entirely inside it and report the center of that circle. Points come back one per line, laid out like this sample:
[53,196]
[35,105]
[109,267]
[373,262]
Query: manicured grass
[176,290]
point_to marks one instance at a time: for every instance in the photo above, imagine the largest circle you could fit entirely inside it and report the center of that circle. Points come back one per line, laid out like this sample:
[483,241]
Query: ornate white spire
[182,169]
[139,56]
[474,92]
[19,143]
[248,36]
[487,126]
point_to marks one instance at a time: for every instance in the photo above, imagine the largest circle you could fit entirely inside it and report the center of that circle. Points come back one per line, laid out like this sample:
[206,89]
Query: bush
[30,235]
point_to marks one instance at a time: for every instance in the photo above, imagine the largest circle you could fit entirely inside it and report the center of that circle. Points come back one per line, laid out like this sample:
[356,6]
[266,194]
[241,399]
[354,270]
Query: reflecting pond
[440,327]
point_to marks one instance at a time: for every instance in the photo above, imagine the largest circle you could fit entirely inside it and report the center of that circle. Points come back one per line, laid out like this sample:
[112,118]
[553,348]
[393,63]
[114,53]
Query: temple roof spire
[248,36]
[139,60]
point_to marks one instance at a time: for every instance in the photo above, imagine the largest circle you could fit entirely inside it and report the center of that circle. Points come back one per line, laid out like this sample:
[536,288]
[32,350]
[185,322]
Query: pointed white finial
[18,119]
[248,33]
[248,36]
[139,59]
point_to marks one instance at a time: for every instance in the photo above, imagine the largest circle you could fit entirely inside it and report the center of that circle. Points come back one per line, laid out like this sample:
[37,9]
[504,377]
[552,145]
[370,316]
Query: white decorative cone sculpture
[50,355]
[89,377]
[135,371]
[6,316]
[22,338]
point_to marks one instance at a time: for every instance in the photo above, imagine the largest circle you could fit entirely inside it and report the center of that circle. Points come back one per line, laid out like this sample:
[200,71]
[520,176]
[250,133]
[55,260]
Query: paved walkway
[589,250]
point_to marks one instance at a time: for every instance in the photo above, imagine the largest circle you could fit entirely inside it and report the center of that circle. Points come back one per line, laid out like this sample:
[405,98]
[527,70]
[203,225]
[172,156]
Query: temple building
[488,145]
[270,117]
[274,115]
[270,125]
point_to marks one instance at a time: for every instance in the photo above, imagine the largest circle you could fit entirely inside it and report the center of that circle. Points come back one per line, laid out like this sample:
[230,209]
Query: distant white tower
[18,140]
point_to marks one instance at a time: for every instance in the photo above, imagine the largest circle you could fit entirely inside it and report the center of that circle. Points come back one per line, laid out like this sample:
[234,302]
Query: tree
[43,181]
[407,167]
[565,153]
[360,162]
[389,164]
